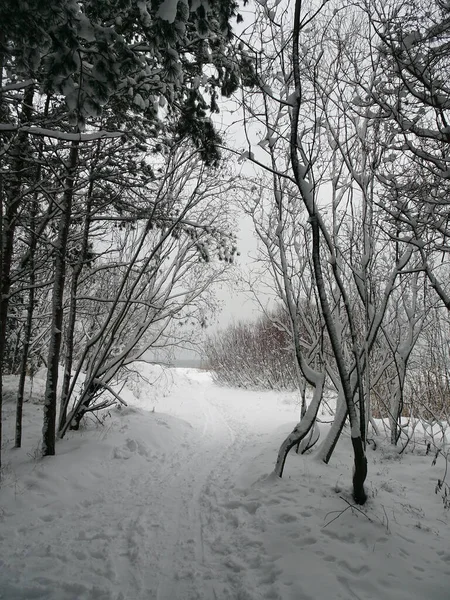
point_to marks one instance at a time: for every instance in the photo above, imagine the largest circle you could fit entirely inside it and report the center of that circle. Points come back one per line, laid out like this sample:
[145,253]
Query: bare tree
[165,277]
[100,83]
[327,153]
[413,97]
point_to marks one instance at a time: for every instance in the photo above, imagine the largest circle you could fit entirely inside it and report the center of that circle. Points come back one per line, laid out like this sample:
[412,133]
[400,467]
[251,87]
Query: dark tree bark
[360,471]
[28,262]
[8,213]
[50,401]
[2,331]
[10,210]
[28,327]
[306,191]
[70,329]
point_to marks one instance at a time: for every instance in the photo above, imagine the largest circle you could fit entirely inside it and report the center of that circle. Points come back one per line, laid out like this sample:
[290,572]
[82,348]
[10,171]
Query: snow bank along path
[179,504]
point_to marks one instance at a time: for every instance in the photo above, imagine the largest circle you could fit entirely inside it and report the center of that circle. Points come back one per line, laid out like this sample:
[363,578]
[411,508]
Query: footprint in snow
[354,569]
[329,558]
[129,448]
[445,556]
[47,518]
[309,540]
[270,576]
[286,518]
[79,554]
[250,507]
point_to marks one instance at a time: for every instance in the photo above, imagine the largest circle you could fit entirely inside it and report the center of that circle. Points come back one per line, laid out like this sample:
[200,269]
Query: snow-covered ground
[173,498]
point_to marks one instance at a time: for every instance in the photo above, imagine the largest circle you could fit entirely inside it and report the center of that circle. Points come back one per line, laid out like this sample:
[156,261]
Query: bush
[428,393]
[256,355]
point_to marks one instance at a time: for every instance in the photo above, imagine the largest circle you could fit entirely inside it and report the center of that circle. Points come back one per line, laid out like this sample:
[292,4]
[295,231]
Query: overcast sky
[239,302]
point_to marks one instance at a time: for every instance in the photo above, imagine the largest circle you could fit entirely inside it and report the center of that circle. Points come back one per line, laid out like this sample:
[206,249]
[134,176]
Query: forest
[120,195]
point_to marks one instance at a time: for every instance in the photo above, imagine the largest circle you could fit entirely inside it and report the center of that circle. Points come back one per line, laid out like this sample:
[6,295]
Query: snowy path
[182,555]
[179,504]
[134,527]
[192,513]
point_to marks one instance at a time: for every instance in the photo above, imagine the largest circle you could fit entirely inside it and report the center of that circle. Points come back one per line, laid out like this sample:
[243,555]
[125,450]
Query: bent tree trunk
[76,417]
[302,429]
[329,444]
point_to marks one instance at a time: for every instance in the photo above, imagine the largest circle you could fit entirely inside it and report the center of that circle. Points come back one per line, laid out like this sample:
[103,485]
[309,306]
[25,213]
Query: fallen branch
[341,512]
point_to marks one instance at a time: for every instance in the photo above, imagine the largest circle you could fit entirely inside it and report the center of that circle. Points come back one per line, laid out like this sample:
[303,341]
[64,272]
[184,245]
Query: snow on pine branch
[61,135]
[18,85]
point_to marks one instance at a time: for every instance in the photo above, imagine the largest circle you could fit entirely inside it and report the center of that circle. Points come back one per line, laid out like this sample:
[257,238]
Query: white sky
[238,302]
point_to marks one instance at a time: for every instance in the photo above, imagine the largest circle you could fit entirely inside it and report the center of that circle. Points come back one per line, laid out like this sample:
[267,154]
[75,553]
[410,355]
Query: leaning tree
[73,73]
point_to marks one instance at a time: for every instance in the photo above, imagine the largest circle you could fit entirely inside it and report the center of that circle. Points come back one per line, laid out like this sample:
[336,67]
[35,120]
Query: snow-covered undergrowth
[173,498]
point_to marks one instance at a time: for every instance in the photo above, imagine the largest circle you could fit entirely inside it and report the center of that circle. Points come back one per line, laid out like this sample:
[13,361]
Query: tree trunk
[70,330]
[8,213]
[302,429]
[29,260]
[50,401]
[329,444]
[28,328]
[395,415]
[302,385]
[360,461]
[2,331]
[70,334]
[360,471]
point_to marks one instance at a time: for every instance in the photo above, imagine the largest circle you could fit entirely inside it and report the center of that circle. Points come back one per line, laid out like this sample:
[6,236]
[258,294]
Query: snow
[174,497]
[246,154]
[61,135]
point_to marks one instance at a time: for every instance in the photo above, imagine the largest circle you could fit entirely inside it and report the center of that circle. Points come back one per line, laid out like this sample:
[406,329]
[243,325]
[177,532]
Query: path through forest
[173,499]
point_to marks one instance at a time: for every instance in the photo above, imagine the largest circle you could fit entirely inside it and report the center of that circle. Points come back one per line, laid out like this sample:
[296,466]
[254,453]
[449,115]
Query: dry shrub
[428,394]
[256,355]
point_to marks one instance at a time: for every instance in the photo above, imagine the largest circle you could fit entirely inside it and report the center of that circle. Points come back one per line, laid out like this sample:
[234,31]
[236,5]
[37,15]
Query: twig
[387,518]
[341,512]
[355,506]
